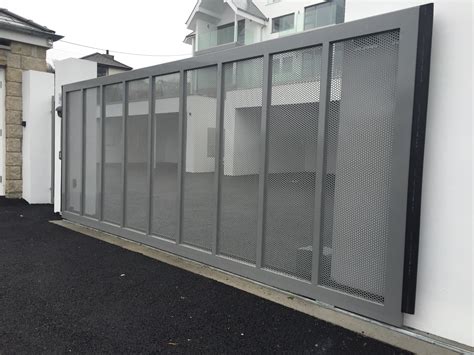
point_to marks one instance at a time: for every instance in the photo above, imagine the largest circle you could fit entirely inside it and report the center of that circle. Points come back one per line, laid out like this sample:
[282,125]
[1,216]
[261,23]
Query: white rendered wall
[444,299]
[67,71]
[37,91]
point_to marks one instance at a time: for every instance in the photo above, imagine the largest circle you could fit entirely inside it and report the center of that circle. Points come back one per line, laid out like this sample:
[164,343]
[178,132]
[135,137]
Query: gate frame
[407,22]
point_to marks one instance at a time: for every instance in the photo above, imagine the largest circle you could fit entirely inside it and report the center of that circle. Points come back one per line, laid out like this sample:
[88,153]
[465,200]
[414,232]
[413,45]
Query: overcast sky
[138,26]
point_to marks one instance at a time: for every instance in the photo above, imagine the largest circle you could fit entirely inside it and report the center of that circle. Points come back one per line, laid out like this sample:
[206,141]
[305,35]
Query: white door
[2,131]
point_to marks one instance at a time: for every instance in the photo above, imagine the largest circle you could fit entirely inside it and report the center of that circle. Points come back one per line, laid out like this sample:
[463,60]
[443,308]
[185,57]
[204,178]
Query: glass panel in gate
[137,155]
[165,153]
[291,153]
[74,151]
[199,171]
[241,159]
[359,145]
[113,153]
[92,152]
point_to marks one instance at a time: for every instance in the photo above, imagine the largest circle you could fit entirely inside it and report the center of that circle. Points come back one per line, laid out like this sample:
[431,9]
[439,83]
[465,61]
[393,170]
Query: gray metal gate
[285,161]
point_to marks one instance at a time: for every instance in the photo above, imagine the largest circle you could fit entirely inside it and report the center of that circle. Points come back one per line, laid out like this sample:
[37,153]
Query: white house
[221,24]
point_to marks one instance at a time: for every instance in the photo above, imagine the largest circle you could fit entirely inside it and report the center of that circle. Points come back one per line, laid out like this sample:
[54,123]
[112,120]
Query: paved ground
[64,292]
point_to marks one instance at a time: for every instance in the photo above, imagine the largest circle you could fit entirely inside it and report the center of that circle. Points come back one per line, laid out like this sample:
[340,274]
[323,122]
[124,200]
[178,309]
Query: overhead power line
[128,53]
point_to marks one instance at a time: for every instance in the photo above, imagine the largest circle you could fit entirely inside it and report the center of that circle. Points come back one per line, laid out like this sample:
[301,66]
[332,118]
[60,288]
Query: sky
[145,27]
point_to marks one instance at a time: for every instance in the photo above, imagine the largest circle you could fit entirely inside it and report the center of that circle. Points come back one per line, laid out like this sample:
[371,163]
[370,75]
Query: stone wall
[19,57]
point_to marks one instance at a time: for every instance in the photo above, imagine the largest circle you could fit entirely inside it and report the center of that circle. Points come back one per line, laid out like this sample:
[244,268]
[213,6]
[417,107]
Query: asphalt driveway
[63,292]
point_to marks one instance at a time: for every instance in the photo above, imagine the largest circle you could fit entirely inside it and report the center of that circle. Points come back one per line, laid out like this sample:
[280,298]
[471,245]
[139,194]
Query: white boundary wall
[444,299]
[38,89]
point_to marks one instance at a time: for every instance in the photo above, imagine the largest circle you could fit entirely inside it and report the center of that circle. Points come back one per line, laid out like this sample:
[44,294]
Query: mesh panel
[113,154]
[165,167]
[198,186]
[292,135]
[92,151]
[74,151]
[241,159]
[137,155]
[359,153]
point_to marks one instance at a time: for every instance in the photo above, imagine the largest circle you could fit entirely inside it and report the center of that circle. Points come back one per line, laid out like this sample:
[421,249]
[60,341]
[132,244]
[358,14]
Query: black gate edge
[415,177]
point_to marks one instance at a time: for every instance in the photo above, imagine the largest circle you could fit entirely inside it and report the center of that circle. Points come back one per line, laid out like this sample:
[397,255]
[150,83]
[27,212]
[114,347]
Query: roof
[12,21]
[249,7]
[188,37]
[106,60]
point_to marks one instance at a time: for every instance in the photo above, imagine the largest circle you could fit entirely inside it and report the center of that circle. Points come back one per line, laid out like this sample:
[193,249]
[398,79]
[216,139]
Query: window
[101,71]
[4,42]
[320,15]
[241,31]
[283,23]
[225,34]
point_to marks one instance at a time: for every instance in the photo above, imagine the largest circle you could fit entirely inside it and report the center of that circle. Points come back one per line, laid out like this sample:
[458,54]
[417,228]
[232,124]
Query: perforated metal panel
[92,152]
[136,169]
[165,151]
[74,151]
[292,142]
[113,153]
[359,165]
[240,159]
[199,174]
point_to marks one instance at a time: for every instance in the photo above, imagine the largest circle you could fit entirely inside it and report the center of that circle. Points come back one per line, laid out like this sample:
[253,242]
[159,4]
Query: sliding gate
[292,162]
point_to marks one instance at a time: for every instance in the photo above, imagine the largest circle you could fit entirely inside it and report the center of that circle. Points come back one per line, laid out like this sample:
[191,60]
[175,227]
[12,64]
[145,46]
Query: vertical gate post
[218,152]
[151,152]
[100,208]
[404,110]
[124,149]
[83,150]
[324,98]
[266,102]
[181,152]
[63,150]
